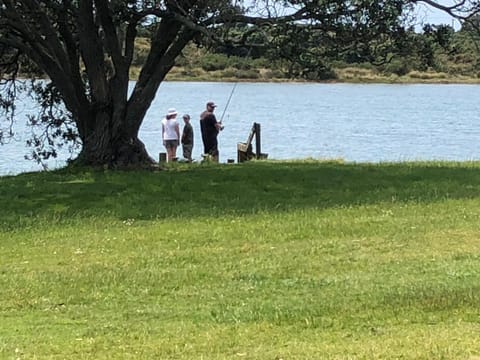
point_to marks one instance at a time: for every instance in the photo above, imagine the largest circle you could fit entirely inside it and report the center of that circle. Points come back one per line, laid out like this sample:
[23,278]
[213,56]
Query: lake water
[354,122]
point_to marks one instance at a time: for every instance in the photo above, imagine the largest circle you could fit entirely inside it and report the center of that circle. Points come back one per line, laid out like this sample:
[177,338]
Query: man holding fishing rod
[210,128]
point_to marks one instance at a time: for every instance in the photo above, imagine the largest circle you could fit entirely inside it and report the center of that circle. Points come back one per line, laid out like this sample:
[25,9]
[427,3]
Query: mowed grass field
[261,260]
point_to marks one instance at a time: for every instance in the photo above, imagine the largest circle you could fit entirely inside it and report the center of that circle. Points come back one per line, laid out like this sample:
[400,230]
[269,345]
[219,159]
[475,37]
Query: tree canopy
[86,48]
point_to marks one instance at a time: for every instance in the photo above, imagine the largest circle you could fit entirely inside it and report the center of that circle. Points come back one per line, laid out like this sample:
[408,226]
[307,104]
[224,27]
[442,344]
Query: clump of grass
[425,75]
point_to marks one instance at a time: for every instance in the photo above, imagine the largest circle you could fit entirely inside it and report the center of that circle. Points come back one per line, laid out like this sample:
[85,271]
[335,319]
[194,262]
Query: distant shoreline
[347,75]
[400,81]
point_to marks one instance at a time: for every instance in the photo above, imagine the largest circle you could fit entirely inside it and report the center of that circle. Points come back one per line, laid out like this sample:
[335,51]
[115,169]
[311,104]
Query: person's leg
[166,149]
[214,150]
[169,151]
[187,152]
[215,156]
[210,146]
[190,150]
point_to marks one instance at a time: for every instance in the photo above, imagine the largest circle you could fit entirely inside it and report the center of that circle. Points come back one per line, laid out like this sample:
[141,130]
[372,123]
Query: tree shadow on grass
[219,190]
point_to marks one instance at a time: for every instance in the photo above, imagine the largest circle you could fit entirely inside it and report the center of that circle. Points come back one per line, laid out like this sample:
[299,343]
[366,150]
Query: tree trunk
[127,153]
[108,144]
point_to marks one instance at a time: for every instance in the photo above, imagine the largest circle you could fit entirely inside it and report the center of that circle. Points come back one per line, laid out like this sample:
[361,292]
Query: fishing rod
[233,90]
[228,101]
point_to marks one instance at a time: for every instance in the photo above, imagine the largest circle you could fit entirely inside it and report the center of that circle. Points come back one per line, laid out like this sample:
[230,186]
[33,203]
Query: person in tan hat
[171,134]
[210,128]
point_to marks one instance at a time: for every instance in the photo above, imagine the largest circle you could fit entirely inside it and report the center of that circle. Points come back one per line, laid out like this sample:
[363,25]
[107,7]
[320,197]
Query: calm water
[358,123]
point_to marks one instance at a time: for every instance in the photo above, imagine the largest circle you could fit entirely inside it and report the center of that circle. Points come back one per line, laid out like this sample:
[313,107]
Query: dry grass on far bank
[347,75]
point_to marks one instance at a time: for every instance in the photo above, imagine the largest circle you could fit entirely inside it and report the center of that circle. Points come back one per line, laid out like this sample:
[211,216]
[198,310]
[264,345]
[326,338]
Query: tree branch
[113,45]
[461,10]
[92,52]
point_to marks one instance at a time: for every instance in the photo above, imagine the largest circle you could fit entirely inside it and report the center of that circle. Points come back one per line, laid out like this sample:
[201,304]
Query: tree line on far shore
[438,49]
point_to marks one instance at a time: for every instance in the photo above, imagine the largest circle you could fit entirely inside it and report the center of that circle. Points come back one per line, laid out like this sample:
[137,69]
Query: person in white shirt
[171,134]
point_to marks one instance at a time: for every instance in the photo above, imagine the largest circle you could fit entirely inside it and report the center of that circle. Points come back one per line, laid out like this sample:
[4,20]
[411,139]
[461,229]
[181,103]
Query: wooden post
[244,150]
[258,145]
[162,157]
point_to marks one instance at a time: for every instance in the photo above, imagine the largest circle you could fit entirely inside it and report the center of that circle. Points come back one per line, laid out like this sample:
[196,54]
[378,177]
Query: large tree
[86,47]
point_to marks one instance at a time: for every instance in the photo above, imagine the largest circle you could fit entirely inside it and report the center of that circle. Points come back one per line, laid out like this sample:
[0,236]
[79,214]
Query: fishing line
[233,90]
[228,101]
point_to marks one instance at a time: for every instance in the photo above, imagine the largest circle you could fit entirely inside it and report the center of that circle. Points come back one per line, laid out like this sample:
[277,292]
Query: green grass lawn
[261,260]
